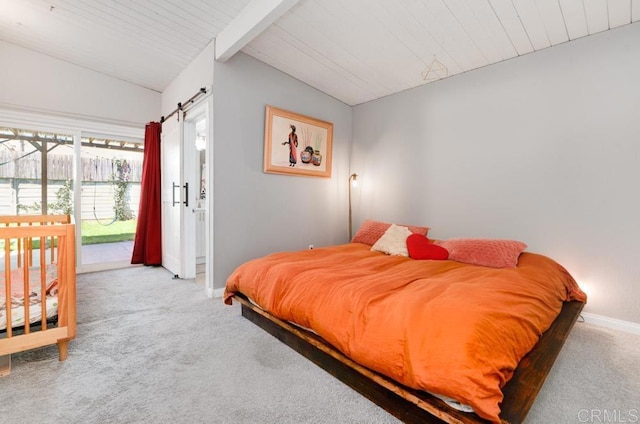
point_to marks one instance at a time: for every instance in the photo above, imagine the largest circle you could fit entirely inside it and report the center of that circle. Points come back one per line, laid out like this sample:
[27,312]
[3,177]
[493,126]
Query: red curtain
[147,247]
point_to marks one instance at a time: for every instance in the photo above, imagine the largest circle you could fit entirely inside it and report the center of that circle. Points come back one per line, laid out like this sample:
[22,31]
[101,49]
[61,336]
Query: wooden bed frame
[22,231]
[414,406]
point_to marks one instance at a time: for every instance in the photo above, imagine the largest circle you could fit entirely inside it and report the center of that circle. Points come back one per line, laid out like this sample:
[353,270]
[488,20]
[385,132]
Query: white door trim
[204,108]
[189,181]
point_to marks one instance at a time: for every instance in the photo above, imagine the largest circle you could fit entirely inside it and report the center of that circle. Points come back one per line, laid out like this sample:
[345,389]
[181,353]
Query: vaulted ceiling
[353,50]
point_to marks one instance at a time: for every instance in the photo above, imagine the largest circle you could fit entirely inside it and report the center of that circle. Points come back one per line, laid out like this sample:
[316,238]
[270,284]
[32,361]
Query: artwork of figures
[296,144]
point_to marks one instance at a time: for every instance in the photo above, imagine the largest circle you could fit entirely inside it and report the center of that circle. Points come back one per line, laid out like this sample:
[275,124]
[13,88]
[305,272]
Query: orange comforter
[441,326]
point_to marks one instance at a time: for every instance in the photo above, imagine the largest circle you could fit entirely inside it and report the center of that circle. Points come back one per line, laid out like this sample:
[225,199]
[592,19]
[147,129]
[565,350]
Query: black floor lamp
[353,181]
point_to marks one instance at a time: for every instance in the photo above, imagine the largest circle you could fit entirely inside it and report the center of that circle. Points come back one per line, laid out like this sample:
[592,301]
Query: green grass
[94,232]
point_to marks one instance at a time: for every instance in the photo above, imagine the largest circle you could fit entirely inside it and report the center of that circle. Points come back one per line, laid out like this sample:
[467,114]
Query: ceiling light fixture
[435,70]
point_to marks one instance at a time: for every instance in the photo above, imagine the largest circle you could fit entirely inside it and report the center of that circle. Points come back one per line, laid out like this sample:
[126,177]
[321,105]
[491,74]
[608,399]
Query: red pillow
[485,252]
[420,247]
[370,231]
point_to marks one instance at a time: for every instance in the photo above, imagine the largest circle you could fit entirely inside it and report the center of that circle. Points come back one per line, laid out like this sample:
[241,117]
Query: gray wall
[257,213]
[543,148]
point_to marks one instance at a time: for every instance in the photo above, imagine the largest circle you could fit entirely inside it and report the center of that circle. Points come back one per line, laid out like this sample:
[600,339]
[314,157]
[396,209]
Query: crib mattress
[35,311]
[33,296]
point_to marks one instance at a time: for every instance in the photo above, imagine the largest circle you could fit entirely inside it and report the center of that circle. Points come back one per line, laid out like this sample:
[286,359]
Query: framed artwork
[296,144]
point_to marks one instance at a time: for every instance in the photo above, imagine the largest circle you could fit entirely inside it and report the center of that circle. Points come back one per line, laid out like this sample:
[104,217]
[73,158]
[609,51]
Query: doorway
[110,171]
[195,165]
[186,211]
[200,209]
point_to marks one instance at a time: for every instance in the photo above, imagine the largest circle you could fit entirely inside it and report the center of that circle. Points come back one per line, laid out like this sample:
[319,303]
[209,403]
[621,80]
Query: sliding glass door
[110,171]
[37,171]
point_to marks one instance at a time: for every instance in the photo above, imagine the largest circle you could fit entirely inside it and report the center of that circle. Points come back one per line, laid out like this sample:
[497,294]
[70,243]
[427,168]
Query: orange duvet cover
[442,326]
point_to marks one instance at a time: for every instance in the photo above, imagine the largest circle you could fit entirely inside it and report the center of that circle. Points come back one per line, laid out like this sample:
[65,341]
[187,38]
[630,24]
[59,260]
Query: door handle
[186,194]
[173,194]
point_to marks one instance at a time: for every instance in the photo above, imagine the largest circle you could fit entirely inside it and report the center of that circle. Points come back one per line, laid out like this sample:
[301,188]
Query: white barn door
[172,196]
[179,191]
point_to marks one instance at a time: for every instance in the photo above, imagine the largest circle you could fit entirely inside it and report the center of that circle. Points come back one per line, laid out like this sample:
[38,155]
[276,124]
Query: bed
[37,284]
[428,340]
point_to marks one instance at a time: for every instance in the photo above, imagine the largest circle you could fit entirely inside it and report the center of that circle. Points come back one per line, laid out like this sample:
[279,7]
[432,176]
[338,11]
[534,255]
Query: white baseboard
[216,293]
[616,324]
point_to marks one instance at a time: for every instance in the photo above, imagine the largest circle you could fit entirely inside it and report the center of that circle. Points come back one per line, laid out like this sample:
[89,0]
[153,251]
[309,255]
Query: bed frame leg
[5,365]
[62,349]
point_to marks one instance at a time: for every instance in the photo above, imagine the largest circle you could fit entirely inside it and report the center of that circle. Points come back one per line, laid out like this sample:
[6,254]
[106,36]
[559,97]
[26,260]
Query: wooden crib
[38,284]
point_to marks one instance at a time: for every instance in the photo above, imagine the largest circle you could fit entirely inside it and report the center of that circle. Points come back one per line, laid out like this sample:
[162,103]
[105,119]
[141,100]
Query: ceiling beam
[249,23]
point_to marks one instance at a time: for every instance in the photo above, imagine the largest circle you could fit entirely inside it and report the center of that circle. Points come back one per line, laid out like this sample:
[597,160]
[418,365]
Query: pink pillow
[485,252]
[419,247]
[370,231]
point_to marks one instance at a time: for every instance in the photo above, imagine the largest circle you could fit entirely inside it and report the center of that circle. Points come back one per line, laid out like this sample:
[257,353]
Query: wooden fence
[60,167]
[21,175]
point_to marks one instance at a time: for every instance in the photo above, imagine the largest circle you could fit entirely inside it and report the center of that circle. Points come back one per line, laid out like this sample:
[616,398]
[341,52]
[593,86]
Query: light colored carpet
[155,350]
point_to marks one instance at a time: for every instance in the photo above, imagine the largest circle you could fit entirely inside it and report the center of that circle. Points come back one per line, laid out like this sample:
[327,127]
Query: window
[36,172]
[37,177]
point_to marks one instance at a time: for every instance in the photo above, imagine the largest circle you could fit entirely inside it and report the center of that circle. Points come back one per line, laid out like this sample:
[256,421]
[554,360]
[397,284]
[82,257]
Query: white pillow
[393,241]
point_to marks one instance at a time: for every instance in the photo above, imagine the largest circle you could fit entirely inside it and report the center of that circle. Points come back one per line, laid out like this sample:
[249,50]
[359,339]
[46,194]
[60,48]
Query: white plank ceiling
[146,42]
[353,50]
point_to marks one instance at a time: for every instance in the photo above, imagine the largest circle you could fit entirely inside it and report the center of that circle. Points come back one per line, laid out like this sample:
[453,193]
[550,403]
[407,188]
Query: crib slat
[19,247]
[7,284]
[26,299]
[29,247]
[43,284]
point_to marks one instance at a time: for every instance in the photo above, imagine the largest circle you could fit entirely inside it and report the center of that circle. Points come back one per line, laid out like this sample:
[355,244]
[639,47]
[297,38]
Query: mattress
[33,296]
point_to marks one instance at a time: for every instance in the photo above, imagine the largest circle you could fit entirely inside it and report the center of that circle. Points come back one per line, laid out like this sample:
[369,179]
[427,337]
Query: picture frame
[310,157]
